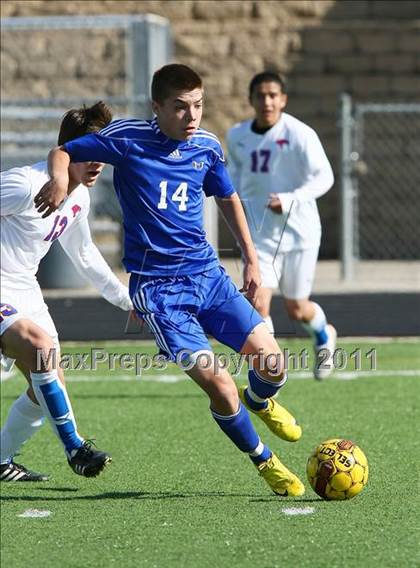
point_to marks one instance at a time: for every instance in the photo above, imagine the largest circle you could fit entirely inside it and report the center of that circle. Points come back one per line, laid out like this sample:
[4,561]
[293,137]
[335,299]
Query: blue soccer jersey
[160,183]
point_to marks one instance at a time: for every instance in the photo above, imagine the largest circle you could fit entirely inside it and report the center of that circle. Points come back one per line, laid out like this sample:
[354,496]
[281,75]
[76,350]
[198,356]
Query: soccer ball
[337,469]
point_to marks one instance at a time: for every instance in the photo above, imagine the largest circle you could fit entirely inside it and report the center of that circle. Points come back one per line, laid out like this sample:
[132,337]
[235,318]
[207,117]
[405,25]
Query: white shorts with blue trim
[25,304]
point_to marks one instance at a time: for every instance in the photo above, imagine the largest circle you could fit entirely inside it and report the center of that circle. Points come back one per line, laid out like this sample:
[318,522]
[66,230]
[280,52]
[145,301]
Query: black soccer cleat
[87,461]
[15,472]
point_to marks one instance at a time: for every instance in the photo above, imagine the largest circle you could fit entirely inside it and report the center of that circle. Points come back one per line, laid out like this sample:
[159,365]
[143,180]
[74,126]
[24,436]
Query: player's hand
[274,204]
[51,195]
[135,323]
[135,317]
[252,280]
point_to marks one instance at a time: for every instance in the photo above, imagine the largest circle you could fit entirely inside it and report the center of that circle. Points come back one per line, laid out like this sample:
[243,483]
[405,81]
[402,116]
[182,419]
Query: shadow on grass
[296,501]
[61,489]
[151,496]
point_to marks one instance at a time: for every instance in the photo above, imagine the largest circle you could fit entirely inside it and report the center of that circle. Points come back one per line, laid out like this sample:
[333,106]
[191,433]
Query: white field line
[35,513]
[165,378]
[298,511]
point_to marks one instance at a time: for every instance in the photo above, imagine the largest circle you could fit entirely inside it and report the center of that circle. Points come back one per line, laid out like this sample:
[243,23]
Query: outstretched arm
[77,243]
[233,212]
[92,147]
[55,190]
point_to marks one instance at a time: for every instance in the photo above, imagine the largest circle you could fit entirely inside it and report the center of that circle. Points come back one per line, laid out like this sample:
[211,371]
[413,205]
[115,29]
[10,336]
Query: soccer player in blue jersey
[163,169]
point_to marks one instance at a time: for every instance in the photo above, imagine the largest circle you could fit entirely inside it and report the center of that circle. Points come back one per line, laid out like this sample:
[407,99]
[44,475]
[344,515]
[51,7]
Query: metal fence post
[346,190]
[151,37]
[149,46]
[210,221]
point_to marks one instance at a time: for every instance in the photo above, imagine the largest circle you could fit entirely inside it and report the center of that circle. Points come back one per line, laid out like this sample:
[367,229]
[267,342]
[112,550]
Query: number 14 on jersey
[179,195]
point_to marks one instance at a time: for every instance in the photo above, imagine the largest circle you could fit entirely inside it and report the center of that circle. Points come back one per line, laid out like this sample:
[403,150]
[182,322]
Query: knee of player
[229,391]
[272,367]
[41,341]
[36,346]
[294,310]
[224,391]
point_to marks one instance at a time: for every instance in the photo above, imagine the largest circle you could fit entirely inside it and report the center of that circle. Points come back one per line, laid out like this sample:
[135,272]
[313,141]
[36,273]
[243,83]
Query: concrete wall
[375,314]
[368,48]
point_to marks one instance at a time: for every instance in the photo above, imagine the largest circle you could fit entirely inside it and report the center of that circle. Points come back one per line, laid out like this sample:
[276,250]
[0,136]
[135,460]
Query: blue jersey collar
[171,142]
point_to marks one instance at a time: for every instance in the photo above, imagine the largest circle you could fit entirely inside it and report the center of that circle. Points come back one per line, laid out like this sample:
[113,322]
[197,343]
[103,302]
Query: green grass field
[178,494]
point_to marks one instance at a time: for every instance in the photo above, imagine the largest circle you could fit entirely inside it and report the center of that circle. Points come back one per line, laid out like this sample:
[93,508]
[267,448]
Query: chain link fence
[52,64]
[380,205]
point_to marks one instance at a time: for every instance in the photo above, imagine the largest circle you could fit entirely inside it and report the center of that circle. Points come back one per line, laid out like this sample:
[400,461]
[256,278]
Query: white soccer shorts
[29,304]
[292,272]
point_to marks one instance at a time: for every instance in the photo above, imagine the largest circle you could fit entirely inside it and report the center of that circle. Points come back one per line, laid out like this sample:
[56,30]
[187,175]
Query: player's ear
[283,100]
[155,107]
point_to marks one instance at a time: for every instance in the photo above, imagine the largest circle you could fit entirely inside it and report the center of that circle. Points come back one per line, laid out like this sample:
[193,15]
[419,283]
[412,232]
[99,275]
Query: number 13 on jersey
[179,195]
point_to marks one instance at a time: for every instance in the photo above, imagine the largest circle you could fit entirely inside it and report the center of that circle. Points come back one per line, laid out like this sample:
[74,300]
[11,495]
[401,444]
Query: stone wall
[368,48]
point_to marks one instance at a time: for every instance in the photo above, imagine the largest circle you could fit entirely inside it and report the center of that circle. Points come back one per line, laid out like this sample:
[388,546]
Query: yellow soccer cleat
[276,417]
[282,481]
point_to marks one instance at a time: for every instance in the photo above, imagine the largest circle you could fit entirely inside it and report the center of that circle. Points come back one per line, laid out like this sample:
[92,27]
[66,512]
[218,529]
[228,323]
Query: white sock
[258,450]
[269,323]
[317,323]
[25,418]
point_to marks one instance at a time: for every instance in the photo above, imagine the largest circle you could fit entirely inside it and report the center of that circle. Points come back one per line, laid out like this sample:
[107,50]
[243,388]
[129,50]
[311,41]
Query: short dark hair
[80,121]
[267,77]
[174,77]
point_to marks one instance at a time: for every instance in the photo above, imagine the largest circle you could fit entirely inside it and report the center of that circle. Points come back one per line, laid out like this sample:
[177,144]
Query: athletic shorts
[292,272]
[181,310]
[27,304]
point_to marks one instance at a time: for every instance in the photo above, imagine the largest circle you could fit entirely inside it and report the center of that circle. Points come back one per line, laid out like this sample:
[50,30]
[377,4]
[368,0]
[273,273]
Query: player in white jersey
[279,168]
[26,327]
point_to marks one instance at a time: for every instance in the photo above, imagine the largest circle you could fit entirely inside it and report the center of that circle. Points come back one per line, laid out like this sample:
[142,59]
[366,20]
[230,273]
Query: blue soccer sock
[317,326]
[260,389]
[261,454]
[239,428]
[256,403]
[55,403]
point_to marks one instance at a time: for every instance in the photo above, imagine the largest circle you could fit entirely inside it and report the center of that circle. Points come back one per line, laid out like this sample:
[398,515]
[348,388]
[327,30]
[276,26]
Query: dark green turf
[178,494]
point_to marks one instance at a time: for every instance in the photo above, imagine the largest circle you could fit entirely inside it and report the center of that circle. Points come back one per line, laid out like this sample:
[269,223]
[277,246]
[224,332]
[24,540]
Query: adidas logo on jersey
[197,165]
[175,155]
